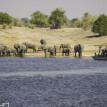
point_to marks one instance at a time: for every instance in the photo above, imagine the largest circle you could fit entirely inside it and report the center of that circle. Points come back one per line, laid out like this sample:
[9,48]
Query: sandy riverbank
[70,36]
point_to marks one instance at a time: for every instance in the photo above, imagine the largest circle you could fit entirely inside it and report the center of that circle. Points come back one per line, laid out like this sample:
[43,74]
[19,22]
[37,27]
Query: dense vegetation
[56,20]
[100,25]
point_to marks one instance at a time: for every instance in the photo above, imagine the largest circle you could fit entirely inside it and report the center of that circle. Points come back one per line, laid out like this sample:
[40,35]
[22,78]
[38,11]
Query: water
[53,82]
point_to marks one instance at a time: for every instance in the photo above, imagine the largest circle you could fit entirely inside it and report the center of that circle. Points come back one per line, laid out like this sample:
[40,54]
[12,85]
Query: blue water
[53,82]
[48,64]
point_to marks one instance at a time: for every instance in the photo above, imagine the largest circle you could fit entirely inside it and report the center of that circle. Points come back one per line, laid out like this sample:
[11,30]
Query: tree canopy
[5,18]
[57,18]
[100,25]
[39,19]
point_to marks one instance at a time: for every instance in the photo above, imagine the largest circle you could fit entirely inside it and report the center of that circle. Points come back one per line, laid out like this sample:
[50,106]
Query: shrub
[31,26]
[87,21]
[100,25]
[39,19]
[16,22]
[57,18]
[5,18]
[4,26]
[10,26]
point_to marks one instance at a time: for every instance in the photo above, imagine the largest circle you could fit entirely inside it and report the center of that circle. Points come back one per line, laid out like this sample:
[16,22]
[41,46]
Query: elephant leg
[79,54]
[50,54]
[45,51]
[75,54]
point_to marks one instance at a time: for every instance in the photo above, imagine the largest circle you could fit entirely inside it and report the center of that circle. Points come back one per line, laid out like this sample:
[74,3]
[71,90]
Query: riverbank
[70,36]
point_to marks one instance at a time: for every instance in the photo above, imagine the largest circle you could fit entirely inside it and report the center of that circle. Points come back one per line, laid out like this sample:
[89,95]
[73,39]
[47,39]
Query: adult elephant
[2,50]
[17,46]
[66,51]
[13,51]
[43,44]
[30,46]
[51,50]
[65,46]
[41,47]
[8,51]
[22,50]
[78,48]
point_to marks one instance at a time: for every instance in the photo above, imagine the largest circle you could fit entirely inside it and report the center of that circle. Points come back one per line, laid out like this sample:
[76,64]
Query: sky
[73,8]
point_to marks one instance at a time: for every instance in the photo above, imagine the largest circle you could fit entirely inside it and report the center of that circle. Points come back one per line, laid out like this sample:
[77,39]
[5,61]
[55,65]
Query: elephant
[1,47]
[41,47]
[51,50]
[43,42]
[17,46]
[22,50]
[66,51]
[2,50]
[30,46]
[78,48]
[14,51]
[65,46]
[8,51]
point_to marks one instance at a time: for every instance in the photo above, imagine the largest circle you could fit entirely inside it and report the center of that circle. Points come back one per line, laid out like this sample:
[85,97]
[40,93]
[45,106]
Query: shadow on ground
[92,36]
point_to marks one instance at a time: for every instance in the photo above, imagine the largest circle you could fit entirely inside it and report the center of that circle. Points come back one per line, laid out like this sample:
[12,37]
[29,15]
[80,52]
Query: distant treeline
[56,20]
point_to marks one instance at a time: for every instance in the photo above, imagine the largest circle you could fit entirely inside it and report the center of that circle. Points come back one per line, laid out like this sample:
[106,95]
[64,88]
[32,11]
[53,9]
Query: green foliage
[75,23]
[5,18]
[4,26]
[87,21]
[10,26]
[25,21]
[17,22]
[39,19]
[100,25]
[57,18]
[31,26]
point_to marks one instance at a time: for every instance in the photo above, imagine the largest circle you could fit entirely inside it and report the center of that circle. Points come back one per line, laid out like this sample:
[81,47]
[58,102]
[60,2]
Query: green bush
[10,26]
[31,26]
[25,22]
[17,22]
[57,18]
[100,25]
[4,26]
[87,21]
[39,19]
[75,23]
[5,18]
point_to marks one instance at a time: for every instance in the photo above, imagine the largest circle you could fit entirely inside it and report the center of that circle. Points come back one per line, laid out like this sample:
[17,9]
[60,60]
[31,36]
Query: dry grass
[54,37]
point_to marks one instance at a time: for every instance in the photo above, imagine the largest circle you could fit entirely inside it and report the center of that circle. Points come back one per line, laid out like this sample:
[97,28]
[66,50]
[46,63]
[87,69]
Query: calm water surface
[53,82]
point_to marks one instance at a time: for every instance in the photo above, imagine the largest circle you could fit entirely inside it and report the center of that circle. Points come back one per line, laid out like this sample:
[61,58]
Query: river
[53,82]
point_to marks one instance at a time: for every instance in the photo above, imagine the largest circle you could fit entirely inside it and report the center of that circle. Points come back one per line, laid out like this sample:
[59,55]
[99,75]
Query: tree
[25,21]
[39,19]
[5,18]
[75,23]
[57,18]
[87,21]
[100,25]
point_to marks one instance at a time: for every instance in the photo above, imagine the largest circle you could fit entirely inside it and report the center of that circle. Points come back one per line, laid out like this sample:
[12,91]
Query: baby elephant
[66,51]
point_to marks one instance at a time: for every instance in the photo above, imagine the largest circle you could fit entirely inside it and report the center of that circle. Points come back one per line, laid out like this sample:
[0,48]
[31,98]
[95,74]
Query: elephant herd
[21,49]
